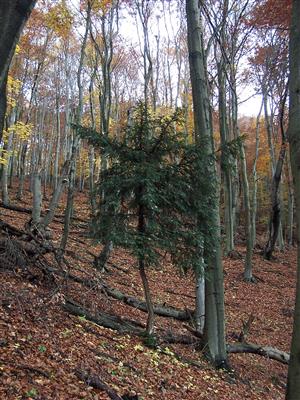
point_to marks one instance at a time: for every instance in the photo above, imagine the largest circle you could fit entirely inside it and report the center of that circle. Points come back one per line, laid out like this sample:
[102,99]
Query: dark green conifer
[155,194]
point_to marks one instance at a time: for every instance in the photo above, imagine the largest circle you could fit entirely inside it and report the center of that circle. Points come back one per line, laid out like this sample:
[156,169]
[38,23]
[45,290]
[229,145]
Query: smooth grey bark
[248,277]
[255,178]
[214,330]
[200,304]
[37,197]
[293,383]
[62,183]
[266,351]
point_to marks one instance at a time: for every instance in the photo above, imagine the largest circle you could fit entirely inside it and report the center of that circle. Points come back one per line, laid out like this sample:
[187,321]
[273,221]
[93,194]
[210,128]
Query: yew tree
[153,196]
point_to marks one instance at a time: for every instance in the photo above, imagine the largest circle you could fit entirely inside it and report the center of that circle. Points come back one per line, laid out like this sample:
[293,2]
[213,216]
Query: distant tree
[13,16]
[154,196]
[293,386]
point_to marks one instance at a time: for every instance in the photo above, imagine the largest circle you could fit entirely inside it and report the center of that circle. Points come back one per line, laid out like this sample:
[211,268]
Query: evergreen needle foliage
[154,195]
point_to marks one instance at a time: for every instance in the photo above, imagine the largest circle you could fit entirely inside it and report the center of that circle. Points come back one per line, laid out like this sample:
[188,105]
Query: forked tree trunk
[275,228]
[293,384]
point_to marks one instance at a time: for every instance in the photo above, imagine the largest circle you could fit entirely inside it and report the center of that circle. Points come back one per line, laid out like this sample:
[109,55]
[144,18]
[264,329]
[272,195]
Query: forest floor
[42,346]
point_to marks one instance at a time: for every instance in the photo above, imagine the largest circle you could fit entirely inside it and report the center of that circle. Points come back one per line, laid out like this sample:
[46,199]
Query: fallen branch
[264,351]
[94,381]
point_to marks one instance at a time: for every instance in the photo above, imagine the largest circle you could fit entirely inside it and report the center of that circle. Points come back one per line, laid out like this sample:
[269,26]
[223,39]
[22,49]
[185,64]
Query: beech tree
[293,386]
[13,15]
[214,330]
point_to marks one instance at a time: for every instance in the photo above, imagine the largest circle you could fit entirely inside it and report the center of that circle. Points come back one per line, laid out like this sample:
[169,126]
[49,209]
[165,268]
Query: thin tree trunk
[151,315]
[248,226]
[76,140]
[254,174]
[226,169]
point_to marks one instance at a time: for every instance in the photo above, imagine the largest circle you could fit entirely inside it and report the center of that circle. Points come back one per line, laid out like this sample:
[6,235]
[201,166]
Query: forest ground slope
[43,347]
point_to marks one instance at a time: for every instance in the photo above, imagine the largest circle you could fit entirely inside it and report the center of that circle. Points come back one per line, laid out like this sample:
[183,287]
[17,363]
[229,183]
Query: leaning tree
[13,16]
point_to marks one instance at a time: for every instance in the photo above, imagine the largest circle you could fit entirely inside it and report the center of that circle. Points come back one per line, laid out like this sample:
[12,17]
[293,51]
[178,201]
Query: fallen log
[110,321]
[265,351]
[161,310]
[14,207]
[24,210]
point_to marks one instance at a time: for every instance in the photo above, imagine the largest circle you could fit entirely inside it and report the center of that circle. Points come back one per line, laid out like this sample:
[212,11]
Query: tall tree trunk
[226,168]
[214,330]
[293,384]
[275,215]
[76,140]
[105,97]
[248,223]
[254,175]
